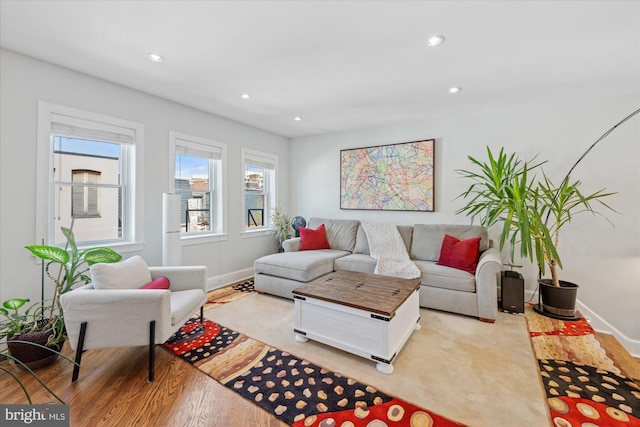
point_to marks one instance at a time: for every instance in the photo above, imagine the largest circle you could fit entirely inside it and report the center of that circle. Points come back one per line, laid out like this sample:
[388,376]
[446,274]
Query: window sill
[201,239]
[249,234]
[120,247]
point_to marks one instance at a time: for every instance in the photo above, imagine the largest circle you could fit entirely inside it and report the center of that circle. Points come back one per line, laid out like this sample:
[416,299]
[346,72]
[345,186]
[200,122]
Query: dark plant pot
[560,301]
[31,355]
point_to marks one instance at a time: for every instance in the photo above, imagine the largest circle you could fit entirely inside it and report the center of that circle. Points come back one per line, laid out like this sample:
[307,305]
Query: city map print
[396,177]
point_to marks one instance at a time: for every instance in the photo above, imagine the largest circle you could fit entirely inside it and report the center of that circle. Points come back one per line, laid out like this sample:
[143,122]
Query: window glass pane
[87,189]
[74,154]
[192,181]
[198,211]
[254,196]
[254,178]
[85,198]
[195,170]
[88,225]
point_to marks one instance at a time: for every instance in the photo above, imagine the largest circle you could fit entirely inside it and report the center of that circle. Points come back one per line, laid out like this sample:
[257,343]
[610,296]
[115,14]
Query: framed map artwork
[396,177]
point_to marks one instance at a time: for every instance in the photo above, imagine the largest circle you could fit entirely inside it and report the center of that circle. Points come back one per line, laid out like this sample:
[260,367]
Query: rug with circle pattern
[584,386]
[294,390]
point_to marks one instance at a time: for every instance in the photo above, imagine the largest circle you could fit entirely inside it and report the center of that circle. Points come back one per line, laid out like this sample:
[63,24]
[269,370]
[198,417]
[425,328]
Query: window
[87,168]
[259,174]
[85,189]
[198,165]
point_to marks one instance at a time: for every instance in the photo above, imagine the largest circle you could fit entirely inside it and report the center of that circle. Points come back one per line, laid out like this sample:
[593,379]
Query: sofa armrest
[291,245]
[487,279]
[182,278]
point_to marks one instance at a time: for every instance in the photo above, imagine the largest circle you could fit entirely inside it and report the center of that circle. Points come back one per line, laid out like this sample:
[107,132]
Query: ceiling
[340,65]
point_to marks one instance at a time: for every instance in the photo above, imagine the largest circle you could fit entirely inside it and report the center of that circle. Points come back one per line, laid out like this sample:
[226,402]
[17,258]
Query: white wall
[603,260]
[24,81]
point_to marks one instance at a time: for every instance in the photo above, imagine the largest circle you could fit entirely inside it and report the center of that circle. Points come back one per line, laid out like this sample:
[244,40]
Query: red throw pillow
[311,239]
[462,255]
[159,283]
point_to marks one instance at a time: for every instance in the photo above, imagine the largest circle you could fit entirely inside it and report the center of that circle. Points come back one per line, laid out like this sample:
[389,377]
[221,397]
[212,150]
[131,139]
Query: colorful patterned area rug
[294,390]
[584,386]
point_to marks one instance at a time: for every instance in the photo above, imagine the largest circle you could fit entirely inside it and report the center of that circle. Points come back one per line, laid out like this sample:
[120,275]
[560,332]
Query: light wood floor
[113,390]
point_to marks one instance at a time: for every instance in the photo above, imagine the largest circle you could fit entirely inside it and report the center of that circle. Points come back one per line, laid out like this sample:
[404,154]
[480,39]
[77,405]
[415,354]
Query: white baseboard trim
[601,325]
[216,282]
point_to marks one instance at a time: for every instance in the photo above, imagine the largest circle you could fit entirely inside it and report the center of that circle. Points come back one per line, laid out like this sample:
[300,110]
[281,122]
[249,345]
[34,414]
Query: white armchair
[100,318]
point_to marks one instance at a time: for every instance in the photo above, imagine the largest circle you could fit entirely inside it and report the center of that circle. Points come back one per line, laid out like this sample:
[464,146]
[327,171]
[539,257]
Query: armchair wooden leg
[202,314]
[152,345]
[76,367]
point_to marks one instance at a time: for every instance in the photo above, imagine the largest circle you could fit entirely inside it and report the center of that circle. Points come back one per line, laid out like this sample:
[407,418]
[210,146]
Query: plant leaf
[14,304]
[100,255]
[51,253]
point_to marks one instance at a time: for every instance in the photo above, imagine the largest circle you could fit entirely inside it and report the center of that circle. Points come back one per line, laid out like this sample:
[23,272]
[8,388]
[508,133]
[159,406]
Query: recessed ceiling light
[297,118]
[245,96]
[155,57]
[454,89]
[435,40]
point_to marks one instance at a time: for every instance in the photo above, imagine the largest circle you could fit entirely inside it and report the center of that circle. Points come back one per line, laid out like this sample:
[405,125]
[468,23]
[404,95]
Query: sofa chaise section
[280,273]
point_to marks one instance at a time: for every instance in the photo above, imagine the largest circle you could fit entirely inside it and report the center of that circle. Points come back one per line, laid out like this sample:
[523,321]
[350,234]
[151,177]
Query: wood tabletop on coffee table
[369,292]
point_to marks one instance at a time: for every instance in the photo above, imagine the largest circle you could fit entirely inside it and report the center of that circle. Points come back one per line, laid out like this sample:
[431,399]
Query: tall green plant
[506,190]
[562,203]
[73,265]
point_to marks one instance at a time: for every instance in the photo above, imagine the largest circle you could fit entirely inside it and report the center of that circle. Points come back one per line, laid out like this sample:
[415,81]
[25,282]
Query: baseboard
[216,282]
[601,325]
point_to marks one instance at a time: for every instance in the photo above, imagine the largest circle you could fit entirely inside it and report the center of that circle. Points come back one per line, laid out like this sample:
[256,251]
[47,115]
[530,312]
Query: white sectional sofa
[442,288]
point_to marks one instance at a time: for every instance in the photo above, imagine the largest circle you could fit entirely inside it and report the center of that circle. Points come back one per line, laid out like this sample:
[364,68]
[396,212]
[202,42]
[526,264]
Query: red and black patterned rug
[584,386]
[294,390]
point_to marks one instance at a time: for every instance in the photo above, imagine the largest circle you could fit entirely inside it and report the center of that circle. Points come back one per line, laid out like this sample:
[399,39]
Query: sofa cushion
[362,242]
[460,254]
[341,233]
[427,238]
[311,239]
[131,273]
[356,262]
[182,303]
[302,266]
[439,276]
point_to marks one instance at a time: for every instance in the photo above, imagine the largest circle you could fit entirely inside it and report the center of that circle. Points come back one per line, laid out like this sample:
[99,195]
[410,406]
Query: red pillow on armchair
[311,239]
[462,255]
[159,283]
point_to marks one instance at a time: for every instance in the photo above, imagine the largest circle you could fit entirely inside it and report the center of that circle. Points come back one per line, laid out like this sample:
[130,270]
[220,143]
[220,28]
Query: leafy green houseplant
[35,332]
[530,210]
[73,265]
[18,324]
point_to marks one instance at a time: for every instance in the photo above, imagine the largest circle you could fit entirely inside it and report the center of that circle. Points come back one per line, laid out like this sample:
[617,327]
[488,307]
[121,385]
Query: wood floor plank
[113,390]
[628,364]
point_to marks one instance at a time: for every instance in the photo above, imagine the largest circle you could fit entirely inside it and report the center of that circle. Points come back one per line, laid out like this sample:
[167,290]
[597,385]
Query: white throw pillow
[131,273]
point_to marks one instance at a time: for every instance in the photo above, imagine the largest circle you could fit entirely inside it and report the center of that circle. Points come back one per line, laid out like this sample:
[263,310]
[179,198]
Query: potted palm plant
[531,211]
[43,322]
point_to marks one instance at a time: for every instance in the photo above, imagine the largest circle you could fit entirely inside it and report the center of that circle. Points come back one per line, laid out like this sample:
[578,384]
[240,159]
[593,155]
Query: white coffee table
[369,315]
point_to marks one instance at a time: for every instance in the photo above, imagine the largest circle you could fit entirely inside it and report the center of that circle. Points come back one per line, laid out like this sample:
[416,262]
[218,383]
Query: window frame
[218,204]
[132,174]
[271,191]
